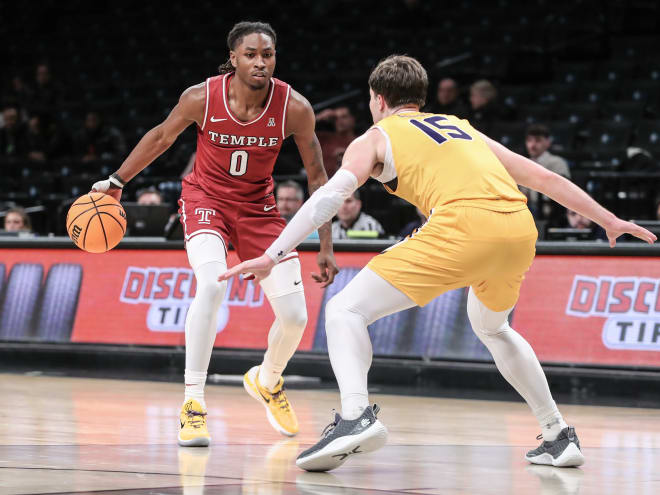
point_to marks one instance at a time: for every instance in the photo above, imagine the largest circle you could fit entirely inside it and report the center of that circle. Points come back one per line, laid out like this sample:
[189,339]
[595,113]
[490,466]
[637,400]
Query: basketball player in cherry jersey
[242,117]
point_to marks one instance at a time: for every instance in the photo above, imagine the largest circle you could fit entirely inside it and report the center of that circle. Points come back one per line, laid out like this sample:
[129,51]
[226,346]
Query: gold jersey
[440,161]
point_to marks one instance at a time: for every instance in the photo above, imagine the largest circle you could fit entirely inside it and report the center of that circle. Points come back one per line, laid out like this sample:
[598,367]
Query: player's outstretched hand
[107,187]
[620,227]
[327,267]
[257,269]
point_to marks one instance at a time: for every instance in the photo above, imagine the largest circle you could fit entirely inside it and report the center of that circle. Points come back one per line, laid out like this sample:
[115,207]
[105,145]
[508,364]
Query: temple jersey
[235,159]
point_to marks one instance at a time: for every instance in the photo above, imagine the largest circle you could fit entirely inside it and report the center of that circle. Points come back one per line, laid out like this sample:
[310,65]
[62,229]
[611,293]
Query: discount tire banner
[572,309]
[600,310]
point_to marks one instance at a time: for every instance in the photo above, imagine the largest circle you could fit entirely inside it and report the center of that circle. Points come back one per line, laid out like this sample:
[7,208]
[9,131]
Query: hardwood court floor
[90,435]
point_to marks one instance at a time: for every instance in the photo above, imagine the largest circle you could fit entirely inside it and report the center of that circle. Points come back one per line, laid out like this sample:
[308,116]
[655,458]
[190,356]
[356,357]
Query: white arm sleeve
[317,210]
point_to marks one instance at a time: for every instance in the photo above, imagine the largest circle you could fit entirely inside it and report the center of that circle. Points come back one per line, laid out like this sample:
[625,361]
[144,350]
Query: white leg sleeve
[365,299]
[513,356]
[206,254]
[284,290]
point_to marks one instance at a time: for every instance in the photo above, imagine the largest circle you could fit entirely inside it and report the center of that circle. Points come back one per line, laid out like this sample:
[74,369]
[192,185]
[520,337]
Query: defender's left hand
[620,227]
[328,268]
[255,269]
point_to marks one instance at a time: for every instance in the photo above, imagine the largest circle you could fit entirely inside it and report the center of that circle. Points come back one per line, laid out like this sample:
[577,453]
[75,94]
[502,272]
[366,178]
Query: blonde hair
[485,88]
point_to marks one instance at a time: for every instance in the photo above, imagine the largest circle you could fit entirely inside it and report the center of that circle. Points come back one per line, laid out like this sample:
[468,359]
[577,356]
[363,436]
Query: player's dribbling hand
[257,269]
[620,227]
[328,269]
[107,187]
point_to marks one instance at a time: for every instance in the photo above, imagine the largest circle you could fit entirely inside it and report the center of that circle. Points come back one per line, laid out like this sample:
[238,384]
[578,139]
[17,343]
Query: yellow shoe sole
[194,442]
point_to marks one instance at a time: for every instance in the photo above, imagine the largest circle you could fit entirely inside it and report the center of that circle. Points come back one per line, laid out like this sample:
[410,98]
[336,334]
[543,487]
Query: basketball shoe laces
[196,419]
[280,399]
[328,429]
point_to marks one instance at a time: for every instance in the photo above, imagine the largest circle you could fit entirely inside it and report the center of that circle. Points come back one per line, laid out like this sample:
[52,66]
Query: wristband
[116,180]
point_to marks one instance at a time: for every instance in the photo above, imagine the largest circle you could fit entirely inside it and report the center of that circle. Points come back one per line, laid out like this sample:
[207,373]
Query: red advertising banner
[572,309]
[142,297]
[592,309]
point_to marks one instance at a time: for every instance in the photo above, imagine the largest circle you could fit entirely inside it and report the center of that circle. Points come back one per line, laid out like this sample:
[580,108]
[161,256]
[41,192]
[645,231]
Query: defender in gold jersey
[479,234]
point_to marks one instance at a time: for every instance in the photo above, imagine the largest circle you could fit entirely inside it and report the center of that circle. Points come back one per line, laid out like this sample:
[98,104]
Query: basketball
[96,222]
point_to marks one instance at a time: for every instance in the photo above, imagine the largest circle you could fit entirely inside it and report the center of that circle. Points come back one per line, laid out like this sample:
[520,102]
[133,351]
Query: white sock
[551,424]
[269,375]
[353,405]
[195,381]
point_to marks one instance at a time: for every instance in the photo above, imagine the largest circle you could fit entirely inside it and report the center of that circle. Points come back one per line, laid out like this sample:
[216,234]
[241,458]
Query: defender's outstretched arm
[361,156]
[530,174]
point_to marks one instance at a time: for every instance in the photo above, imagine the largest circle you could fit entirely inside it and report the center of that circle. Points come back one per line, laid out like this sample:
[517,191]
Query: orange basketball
[96,222]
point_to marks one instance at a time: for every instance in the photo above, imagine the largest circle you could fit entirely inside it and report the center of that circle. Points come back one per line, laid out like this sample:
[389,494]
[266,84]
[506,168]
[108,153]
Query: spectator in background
[657,208]
[97,141]
[447,99]
[12,134]
[483,102]
[537,142]
[576,221]
[351,219]
[37,142]
[18,94]
[46,93]
[289,196]
[337,140]
[149,196]
[17,220]
[410,227]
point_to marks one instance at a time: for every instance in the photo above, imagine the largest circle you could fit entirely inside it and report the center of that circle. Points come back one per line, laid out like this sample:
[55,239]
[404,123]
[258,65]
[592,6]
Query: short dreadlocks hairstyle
[238,32]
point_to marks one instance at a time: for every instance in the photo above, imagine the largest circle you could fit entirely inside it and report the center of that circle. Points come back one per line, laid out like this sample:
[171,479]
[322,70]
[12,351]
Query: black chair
[577,113]
[573,73]
[607,137]
[644,91]
[647,136]
[535,113]
[511,135]
[623,111]
[603,160]
[554,93]
[597,92]
[563,135]
[615,70]
[651,69]
[516,96]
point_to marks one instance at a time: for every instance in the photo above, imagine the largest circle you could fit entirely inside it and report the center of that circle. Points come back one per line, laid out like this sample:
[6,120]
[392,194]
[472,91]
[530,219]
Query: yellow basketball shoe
[278,409]
[193,432]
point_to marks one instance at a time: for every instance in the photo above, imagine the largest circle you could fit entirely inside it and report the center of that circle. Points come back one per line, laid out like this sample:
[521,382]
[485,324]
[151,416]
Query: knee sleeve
[206,254]
[336,311]
[284,279]
[205,248]
[290,310]
[209,290]
[484,321]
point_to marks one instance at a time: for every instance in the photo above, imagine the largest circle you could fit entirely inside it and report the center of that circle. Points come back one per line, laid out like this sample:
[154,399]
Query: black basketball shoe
[344,438]
[564,451]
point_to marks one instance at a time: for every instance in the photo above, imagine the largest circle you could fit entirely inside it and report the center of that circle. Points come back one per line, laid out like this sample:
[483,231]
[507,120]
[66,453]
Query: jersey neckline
[225,91]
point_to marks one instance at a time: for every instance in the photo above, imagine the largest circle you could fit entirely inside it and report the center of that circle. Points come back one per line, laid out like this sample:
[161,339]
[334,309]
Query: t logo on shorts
[204,214]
